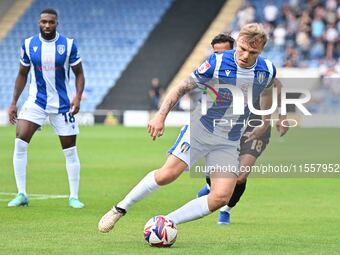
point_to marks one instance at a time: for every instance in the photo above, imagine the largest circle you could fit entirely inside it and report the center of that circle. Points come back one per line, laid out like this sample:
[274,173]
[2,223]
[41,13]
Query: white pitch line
[35,196]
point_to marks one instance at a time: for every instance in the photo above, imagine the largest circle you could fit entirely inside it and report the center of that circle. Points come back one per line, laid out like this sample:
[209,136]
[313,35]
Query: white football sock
[19,164]
[73,170]
[146,186]
[225,208]
[195,209]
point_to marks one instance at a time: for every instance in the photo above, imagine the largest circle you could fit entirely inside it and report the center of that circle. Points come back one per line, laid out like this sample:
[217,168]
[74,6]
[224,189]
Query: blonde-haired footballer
[242,68]
[249,151]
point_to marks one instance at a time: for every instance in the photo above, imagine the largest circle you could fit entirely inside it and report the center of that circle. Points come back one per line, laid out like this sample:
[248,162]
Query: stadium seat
[108,37]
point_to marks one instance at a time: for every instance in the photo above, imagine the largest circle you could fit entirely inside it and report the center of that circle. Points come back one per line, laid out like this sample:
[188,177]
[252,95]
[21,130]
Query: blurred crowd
[303,33]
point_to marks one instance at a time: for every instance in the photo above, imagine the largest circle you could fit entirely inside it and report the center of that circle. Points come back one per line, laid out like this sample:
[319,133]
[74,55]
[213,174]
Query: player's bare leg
[169,172]
[221,190]
[25,130]
[68,143]
[246,162]
[24,133]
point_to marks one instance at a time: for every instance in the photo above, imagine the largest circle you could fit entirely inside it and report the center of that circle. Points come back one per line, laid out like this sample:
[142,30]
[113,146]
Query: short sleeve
[24,59]
[74,55]
[272,71]
[205,71]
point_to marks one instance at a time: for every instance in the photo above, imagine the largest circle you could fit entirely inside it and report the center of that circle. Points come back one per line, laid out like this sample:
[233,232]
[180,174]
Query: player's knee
[22,136]
[68,142]
[165,176]
[219,199]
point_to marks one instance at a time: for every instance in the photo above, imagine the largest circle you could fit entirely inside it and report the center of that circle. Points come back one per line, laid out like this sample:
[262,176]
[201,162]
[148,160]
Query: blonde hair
[254,33]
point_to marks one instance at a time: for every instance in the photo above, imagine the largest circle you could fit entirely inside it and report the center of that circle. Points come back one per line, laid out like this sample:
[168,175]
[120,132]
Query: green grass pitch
[275,216]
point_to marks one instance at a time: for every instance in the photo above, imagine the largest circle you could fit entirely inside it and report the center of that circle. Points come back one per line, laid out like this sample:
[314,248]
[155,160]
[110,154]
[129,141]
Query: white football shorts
[220,157]
[63,123]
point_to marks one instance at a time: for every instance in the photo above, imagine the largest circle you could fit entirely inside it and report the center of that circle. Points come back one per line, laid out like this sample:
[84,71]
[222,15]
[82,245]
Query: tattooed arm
[156,125]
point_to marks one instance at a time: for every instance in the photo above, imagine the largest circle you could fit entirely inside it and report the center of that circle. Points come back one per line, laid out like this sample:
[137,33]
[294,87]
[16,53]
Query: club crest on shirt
[185,147]
[204,67]
[61,49]
[35,48]
[261,76]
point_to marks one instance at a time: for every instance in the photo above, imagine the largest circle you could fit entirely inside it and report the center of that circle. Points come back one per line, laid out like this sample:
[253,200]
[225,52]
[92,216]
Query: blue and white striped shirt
[221,69]
[50,63]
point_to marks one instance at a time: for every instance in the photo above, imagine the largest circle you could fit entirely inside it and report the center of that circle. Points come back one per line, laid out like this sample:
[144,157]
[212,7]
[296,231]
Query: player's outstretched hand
[256,133]
[12,114]
[156,126]
[280,127]
[75,106]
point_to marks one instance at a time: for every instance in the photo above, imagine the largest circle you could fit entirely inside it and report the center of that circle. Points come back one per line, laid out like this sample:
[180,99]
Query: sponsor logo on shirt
[204,67]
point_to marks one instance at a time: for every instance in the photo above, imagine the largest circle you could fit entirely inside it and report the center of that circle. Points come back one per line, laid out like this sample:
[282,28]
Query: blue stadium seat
[106,33]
